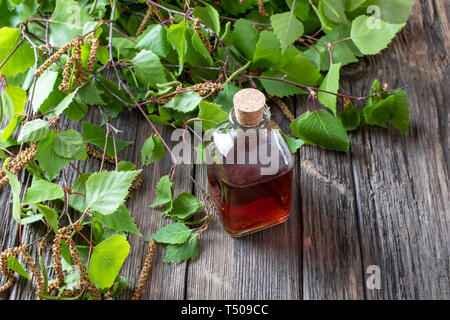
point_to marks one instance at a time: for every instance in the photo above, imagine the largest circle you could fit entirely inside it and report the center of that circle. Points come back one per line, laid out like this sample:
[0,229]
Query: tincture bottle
[249,167]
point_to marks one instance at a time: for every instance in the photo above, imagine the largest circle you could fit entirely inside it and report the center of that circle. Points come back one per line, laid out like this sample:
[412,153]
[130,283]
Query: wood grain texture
[401,182]
[383,203]
[331,253]
[264,265]
[166,281]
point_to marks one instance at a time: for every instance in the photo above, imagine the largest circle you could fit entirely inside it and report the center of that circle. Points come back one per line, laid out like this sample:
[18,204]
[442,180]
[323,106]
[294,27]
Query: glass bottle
[249,167]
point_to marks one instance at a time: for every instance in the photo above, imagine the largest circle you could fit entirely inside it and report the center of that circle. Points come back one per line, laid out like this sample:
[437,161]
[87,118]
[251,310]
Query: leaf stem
[237,72]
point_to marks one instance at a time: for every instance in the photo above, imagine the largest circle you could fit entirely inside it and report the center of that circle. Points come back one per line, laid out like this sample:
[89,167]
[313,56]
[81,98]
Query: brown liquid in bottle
[248,201]
[249,168]
[247,209]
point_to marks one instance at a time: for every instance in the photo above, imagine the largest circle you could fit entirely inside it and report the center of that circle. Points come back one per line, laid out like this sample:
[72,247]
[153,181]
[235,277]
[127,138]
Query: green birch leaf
[301,70]
[276,87]
[17,266]
[267,49]
[68,21]
[209,16]
[119,286]
[394,11]
[400,113]
[321,128]
[155,40]
[293,144]
[8,131]
[31,219]
[244,37]
[175,233]
[199,46]
[334,10]
[22,11]
[90,95]
[107,260]
[120,221]
[393,108]
[182,252]
[184,102]
[301,9]
[350,118]
[67,143]
[15,190]
[330,83]
[152,150]
[42,190]
[185,206]
[352,5]
[211,114]
[107,190]
[50,216]
[164,192]
[287,28]
[93,134]
[22,59]
[34,130]
[148,69]
[44,86]
[373,35]
[380,113]
[177,37]
[13,101]
[225,97]
[64,104]
[78,201]
[326,24]
[48,159]
[126,166]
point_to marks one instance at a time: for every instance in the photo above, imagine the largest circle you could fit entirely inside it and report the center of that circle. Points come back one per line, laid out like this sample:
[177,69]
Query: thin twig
[110,47]
[13,51]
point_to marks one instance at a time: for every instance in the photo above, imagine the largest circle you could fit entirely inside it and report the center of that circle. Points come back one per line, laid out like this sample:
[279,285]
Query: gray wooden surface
[384,203]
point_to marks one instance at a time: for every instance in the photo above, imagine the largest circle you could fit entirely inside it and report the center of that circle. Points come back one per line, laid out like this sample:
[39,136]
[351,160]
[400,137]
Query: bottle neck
[261,125]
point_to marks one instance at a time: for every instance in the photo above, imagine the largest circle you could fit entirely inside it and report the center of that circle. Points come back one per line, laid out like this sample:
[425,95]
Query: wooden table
[384,203]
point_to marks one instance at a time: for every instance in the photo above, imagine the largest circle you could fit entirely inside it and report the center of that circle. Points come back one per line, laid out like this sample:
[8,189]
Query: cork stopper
[249,107]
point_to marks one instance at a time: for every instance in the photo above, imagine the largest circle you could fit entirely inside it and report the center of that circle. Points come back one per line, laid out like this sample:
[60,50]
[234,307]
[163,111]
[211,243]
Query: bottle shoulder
[245,157]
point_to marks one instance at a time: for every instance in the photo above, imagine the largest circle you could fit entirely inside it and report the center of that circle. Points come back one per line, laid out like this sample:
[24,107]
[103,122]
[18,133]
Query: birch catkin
[75,58]
[52,59]
[57,265]
[79,71]
[145,270]
[145,21]
[284,108]
[17,163]
[64,233]
[261,9]
[4,267]
[34,269]
[157,12]
[204,39]
[92,55]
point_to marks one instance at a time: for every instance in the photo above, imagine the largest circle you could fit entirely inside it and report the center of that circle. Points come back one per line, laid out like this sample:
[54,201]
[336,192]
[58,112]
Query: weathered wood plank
[8,226]
[166,281]
[401,181]
[159,285]
[24,289]
[264,265]
[384,203]
[331,253]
